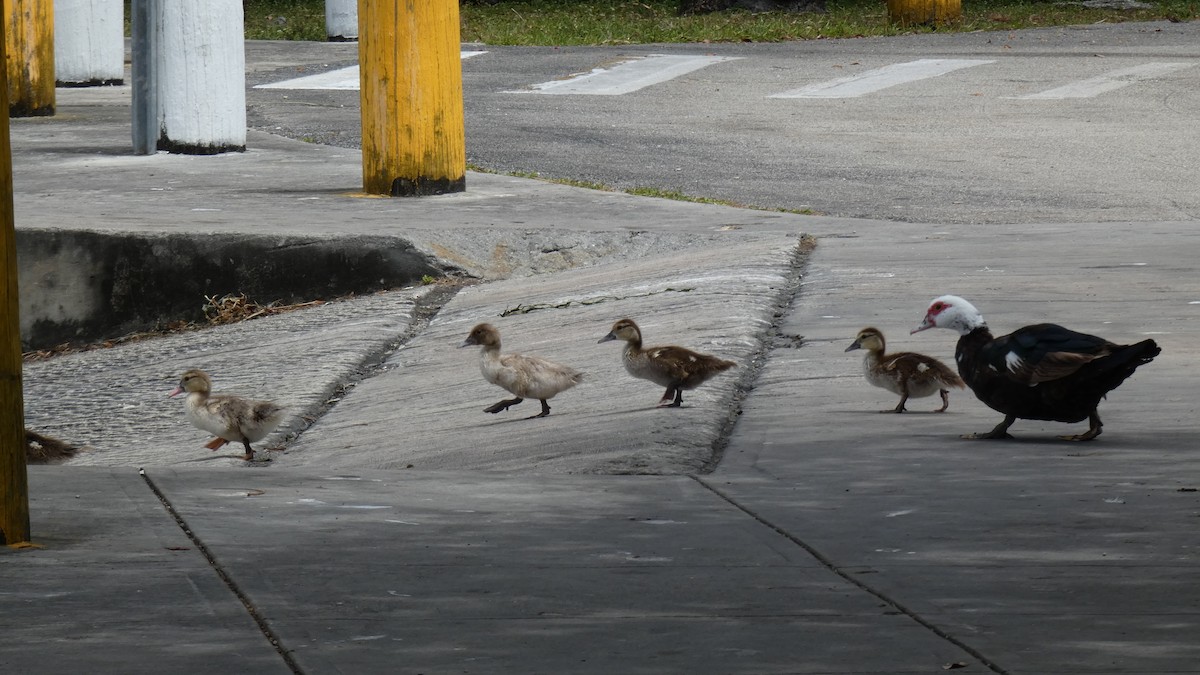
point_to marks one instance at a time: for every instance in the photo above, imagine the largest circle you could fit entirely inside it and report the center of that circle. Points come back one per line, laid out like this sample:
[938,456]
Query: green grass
[285,20]
[597,22]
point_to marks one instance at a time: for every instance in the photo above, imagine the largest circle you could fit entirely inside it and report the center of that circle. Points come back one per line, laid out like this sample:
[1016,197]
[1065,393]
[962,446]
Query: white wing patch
[1013,362]
[922,367]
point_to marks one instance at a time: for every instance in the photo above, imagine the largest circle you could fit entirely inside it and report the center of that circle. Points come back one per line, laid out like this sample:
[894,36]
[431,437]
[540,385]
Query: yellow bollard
[413,142]
[924,12]
[29,40]
[14,486]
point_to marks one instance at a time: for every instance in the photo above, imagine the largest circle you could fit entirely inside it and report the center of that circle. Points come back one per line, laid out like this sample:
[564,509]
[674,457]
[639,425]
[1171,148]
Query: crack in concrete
[830,565]
[525,309]
[426,307]
[226,579]
[767,344]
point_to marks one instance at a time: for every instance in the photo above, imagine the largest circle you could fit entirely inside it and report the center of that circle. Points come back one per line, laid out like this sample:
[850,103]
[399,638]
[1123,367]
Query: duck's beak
[926,324]
[607,338]
[854,345]
[175,392]
[466,343]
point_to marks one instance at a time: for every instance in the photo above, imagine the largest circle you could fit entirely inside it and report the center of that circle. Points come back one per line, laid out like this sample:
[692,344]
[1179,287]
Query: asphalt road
[976,145]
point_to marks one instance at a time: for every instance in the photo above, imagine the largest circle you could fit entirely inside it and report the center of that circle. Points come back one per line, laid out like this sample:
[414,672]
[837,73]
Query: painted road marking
[1107,82]
[626,77]
[343,78]
[881,78]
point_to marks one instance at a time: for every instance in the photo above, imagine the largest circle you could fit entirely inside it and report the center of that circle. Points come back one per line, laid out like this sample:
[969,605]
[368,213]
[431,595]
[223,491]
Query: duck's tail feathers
[1116,367]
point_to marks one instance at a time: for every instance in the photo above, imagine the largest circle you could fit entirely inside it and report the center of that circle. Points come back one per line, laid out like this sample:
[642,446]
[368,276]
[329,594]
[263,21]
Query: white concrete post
[341,20]
[201,73]
[89,42]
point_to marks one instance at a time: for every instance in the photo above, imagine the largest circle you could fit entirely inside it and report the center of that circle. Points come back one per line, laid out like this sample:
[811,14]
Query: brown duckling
[524,376]
[676,368]
[231,418]
[908,374]
[41,449]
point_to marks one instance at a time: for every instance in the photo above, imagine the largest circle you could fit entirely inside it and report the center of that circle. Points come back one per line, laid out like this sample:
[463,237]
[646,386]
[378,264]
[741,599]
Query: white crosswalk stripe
[342,79]
[627,77]
[639,72]
[1107,82]
[881,78]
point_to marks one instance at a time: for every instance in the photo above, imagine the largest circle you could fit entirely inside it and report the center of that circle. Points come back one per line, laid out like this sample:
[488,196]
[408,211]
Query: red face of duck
[936,308]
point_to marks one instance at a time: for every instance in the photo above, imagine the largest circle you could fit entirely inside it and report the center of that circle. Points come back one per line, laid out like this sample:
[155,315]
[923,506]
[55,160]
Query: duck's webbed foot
[545,410]
[249,456]
[671,398]
[999,433]
[945,400]
[1095,426]
[503,405]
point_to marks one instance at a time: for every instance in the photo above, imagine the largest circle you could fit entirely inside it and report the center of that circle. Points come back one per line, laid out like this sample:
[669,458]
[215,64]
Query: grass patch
[285,20]
[682,197]
[616,22]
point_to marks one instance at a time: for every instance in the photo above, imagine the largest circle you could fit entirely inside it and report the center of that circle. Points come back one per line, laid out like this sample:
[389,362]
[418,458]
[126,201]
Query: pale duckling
[524,376]
[231,418]
[676,368]
[908,374]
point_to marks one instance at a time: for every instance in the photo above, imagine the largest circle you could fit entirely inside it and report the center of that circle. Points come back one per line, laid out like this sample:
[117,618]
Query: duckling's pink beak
[175,392]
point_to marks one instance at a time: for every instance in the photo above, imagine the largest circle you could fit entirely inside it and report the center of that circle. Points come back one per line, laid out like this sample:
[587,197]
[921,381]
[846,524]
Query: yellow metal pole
[413,141]
[29,39]
[14,486]
[924,12]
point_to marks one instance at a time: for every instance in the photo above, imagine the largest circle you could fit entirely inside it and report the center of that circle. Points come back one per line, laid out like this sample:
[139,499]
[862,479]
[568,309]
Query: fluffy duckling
[41,449]
[524,376]
[906,373]
[231,418]
[676,368]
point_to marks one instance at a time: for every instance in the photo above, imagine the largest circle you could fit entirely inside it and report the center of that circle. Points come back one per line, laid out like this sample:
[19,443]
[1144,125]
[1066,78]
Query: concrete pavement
[781,524]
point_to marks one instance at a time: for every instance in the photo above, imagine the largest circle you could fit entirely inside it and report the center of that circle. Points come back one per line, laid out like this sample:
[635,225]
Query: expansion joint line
[833,567]
[263,626]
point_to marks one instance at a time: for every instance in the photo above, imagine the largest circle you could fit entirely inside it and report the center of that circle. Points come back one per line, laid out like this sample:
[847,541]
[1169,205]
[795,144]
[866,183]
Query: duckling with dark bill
[908,374]
[524,376]
[676,368]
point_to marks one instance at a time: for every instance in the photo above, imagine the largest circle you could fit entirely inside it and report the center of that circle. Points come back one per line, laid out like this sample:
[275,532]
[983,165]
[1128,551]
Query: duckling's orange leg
[1094,428]
[503,405]
[945,400]
[672,398]
[216,443]
[1000,432]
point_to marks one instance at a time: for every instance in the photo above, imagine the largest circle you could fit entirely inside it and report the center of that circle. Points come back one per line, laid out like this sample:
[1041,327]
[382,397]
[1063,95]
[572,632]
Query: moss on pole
[413,139]
[29,57]
[924,12]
